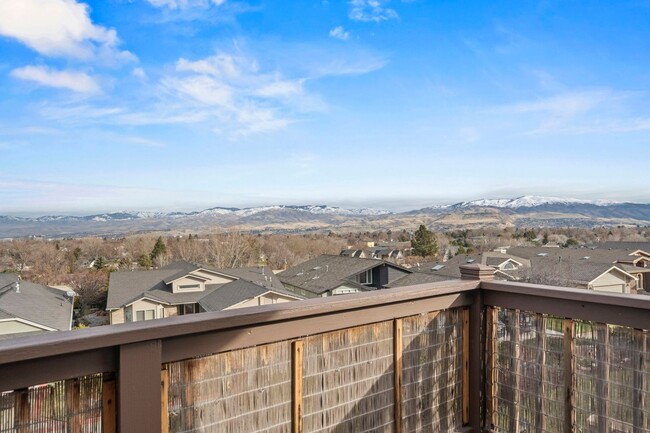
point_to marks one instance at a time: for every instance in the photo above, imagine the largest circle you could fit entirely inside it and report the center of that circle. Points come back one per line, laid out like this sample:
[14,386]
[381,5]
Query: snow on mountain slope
[527,201]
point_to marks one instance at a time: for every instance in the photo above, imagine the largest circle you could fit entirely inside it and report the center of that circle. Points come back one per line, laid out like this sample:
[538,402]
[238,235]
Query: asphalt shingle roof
[36,303]
[418,278]
[327,272]
[231,294]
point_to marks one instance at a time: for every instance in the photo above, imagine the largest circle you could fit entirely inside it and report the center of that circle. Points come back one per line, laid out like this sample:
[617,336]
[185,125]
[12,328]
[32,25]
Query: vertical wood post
[164,400]
[22,411]
[476,348]
[296,386]
[465,366]
[72,405]
[569,376]
[139,387]
[109,406]
[397,363]
[639,402]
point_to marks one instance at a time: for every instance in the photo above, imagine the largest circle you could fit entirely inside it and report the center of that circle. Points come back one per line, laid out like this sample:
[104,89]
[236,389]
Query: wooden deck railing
[468,355]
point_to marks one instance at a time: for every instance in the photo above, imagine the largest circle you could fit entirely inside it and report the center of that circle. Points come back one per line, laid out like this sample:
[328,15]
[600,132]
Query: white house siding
[170,311]
[266,299]
[214,279]
[610,282]
[15,327]
[117,316]
[342,290]
[144,304]
[187,281]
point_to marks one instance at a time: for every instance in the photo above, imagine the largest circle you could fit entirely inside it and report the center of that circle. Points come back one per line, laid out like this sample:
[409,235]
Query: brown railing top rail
[580,304]
[66,342]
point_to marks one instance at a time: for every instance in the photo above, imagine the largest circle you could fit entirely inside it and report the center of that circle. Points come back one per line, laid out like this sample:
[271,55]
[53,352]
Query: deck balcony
[470,355]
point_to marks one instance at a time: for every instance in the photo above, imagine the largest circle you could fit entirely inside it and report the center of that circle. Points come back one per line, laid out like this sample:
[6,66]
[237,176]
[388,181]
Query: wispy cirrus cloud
[371,10]
[60,28]
[77,81]
[581,112]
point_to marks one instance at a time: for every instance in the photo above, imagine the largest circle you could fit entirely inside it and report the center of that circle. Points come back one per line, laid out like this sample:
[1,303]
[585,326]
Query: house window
[366,277]
[188,309]
[141,315]
[189,287]
[508,265]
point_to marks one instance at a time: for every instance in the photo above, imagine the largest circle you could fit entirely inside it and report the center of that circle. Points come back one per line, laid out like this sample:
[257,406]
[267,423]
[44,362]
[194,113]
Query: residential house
[26,307]
[329,275]
[187,288]
[353,252]
[607,270]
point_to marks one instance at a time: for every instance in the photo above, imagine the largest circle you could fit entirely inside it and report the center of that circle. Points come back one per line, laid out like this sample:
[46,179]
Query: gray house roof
[231,294]
[326,272]
[35,303]
[418,278]
[127,287]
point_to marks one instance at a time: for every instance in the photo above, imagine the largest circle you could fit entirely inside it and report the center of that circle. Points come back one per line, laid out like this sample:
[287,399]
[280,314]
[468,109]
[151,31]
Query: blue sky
[188,104]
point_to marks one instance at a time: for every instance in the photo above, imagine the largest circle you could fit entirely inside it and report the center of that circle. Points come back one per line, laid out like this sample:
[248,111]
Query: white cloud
[371,10]
[139,73]
[598,111]
[76,81]
[234,91]
[143,141]
[339,32]
[185,4]
[203,89]
[59,28]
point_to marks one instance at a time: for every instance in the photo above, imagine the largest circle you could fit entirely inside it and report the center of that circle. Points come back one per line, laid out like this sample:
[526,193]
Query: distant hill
[525,211]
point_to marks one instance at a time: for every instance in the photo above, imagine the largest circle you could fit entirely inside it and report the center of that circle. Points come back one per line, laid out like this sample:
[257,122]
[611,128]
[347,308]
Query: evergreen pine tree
[159,249]
[424,242]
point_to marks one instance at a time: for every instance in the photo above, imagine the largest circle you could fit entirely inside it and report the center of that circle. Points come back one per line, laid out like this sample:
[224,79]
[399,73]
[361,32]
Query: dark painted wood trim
[581,304]
[139,388]
[48,369]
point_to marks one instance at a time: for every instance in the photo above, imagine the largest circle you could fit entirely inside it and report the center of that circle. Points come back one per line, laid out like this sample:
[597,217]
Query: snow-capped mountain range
[525,211]
[530,201]
[211,212]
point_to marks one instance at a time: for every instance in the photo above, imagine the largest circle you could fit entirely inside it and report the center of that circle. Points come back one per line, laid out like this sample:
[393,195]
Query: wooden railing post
[296,386]
[466,394]
[109,412]
[139,387]
[164,400]
[22,411]
[72,405]
[569,376]
[476,343]
[397,352]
